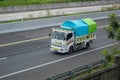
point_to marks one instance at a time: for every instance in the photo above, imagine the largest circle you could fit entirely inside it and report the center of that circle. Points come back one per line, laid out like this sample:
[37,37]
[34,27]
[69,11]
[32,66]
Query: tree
[113,29]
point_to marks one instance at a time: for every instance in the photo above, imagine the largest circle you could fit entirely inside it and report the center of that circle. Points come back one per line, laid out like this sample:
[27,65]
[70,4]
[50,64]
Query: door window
[69,36]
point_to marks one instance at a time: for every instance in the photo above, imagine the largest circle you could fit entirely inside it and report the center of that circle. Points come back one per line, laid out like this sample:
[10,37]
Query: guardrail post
[22,19]
[92,79]
[117,59]
[72,73]
[104,62]
[89,68]
[50,79]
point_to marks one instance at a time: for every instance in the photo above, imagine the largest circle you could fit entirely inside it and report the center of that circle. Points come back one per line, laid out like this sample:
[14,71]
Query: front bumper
[58,49]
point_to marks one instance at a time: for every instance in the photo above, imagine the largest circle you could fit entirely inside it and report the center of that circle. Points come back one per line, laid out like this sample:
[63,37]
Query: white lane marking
[55,61]
[30,40]
[102,26]
[3,58]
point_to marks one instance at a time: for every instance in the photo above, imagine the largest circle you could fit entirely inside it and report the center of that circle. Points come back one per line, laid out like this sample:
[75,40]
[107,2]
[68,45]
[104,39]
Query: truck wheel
[71,50]
[87,45]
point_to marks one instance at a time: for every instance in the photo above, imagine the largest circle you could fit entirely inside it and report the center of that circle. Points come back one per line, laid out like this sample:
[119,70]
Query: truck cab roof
[63,30]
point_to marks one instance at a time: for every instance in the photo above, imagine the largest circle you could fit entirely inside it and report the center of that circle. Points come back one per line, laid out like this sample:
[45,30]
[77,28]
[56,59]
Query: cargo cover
[79,27]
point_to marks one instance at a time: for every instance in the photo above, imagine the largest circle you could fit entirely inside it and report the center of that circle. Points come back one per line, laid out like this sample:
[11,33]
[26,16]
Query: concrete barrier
[52,12]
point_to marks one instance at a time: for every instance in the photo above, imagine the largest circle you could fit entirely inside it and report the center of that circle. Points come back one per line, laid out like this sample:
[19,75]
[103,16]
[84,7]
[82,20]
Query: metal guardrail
[79,70]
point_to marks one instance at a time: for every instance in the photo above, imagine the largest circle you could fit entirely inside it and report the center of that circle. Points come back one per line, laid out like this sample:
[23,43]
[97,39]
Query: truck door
[69,38]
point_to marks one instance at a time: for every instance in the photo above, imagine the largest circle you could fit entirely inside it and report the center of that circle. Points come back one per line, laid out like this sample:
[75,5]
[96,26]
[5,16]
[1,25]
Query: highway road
[32,60]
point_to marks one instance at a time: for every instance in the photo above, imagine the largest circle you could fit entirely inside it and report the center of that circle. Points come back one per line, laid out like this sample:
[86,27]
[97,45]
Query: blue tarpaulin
[77,26]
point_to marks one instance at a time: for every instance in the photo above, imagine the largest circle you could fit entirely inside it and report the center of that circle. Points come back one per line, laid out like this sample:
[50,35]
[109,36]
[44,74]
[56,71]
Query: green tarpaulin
[92,26]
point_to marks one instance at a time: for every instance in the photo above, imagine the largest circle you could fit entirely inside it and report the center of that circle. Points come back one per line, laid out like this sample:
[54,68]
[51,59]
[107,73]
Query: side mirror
[49,35]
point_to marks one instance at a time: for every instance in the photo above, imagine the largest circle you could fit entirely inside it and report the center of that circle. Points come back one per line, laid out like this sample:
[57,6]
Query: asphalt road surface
[32,60]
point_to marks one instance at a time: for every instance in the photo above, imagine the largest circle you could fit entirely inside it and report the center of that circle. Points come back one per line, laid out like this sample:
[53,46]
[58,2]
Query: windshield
[58,35]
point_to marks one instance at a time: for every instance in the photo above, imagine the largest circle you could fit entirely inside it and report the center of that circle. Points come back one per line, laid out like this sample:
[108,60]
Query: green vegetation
[109,55]
[33,2]
[113,29]
[113,7]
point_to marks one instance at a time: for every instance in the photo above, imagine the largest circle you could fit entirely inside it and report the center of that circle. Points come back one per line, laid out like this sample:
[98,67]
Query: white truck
[73,35]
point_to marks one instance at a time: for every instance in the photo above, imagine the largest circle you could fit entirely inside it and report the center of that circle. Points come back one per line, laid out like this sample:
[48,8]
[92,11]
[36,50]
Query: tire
[71,50]
[87,45]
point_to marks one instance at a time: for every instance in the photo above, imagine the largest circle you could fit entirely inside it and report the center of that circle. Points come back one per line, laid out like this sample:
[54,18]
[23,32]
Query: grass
[113,7]
[4,3]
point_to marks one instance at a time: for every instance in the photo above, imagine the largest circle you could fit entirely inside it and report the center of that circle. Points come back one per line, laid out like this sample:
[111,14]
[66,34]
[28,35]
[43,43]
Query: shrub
[107,55]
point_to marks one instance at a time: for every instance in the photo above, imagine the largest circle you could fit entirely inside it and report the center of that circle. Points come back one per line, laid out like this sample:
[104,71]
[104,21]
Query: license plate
[55,49]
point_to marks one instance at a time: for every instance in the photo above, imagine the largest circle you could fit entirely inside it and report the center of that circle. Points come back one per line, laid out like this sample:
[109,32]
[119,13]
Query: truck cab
[61,40]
